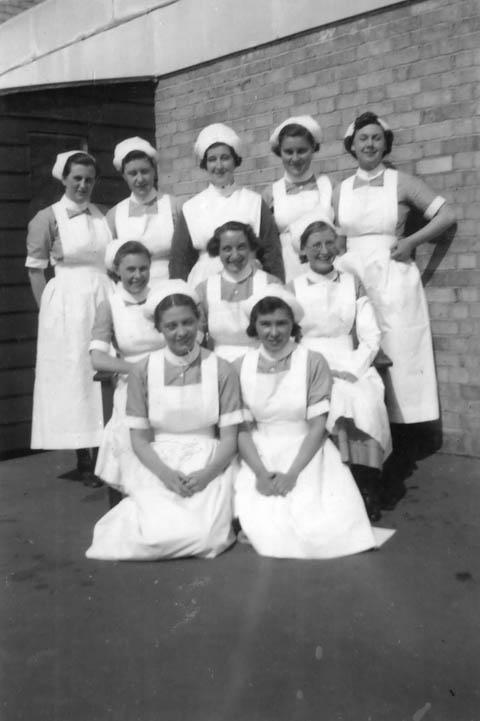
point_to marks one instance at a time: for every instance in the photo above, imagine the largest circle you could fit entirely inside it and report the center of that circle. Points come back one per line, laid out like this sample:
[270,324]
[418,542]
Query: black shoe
[90,480]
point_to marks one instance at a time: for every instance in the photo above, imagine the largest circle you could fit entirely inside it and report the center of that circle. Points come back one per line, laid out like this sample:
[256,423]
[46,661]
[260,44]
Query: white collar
[287,350]
[319,277]
[72,205]
[134,299]
[246,273]
[225,192]
[182,360]
[370,174]
[153,195]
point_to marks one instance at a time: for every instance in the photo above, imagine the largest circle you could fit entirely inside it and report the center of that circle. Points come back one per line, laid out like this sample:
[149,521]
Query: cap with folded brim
[306,121]
[61,161]
[129,145]
[216,133]
[163,290]
[352,128]
[274,291]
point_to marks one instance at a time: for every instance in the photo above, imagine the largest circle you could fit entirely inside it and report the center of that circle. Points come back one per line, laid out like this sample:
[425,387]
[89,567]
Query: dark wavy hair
[368,118]
[131,247]
[174,301]
[318,226]
[236,158]
[137,155]
[213,245]
[80,158]
[270,304]
[294,130]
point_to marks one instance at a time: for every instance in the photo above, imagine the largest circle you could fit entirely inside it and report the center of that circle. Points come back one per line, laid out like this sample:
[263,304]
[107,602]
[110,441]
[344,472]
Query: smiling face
[320,250]
[274,329]
[369,146]
[296,154]
[139,175]
[234,251]
[179,325]
[79,183]
[134,272]
[220,165]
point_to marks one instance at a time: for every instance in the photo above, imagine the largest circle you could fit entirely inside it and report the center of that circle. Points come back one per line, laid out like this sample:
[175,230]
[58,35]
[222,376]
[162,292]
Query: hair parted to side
[131,247]
[79,159]
[175,300]
[267,305]
[368,118]
[236,158]
[213,245]
[295,130]
[318,226]
[137,155]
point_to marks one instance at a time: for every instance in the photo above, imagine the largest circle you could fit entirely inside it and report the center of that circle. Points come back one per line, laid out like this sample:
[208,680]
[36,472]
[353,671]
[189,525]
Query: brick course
[418,65]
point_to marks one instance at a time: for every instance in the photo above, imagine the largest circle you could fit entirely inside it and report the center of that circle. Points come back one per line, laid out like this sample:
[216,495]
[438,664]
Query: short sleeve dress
[121,325]
[67,404]
[371,213]
[323,516]
[152,223]
[289,202]
[183,402]
[339,323]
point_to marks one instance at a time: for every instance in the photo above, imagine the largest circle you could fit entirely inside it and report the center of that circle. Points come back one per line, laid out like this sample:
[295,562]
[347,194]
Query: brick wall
[417,64]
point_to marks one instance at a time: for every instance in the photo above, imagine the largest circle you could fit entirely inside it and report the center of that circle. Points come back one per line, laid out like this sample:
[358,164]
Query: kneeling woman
[120,322]
[337,309]
[294,497]
[179,482]
[222,295]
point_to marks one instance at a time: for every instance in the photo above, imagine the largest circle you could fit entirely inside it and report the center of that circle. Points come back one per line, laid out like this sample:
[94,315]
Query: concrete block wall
[418,65]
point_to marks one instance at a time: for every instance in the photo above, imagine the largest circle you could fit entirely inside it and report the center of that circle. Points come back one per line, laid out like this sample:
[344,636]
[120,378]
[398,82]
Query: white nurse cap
[273,290]
[127,146]
[216,133]
[61,161]
[350,132]
[163,290]
[318,215]
[306,121]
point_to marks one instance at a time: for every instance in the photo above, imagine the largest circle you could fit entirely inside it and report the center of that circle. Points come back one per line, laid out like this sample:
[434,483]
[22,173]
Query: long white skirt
[155,523]
[322,517]
[115,450]
[67,402]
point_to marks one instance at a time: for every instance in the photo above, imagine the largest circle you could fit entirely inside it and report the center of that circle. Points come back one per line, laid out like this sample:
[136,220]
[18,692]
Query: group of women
[237,396]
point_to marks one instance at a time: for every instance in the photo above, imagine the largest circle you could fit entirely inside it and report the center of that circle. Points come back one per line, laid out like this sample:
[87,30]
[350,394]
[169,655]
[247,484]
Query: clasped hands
[402,250]
[274,483]
[186,484]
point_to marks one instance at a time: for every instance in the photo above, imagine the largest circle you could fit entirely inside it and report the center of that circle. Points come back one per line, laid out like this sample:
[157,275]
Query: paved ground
[384,636]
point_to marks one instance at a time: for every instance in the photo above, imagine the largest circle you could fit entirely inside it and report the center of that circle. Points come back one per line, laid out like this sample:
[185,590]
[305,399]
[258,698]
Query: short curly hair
[270,304]
[213,245]
[368,118]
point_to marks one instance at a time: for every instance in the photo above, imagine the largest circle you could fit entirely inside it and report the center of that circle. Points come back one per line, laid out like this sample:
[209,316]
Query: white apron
[67,403]
[136,336]
[154,231]
[153,522]
[205,212]
[227,322]
[368,217]
[330,309]
[324,515]
[287,209]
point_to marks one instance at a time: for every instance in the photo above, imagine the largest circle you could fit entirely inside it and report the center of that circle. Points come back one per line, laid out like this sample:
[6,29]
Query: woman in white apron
[147,214]
[222,295]
[293,495]
[71,235]
[371,210]
[183,409]
[218,149]
[120,323]
[295,142]
[339,323]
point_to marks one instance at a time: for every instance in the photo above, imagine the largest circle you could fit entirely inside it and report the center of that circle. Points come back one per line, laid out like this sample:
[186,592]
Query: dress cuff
[137,423]
[41,263]
[99,345]
[230,419]
[434,207]
[318,409]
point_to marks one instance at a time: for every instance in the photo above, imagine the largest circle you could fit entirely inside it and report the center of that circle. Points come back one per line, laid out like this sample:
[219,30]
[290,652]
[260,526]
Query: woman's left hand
[283,483]
[402,250]
[197,481]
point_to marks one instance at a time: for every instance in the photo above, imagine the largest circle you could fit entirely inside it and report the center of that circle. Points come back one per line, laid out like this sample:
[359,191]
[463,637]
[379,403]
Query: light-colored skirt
[67,402]
[156,523]
[115,450]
